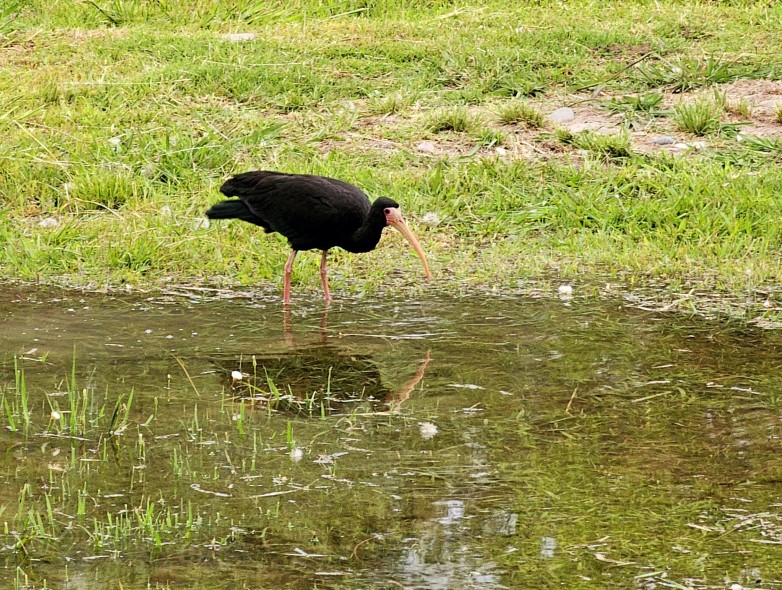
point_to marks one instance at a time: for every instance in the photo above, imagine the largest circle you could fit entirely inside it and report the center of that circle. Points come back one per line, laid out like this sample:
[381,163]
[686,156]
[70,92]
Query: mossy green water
[450,443]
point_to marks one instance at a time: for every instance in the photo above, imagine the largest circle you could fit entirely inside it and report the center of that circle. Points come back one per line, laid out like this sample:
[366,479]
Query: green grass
[647,103]
[519,112]
[121,119]
[699,118]
[611,146]
[451,119]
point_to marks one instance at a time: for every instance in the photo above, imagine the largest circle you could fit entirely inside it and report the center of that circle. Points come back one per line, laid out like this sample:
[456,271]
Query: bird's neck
[366,237]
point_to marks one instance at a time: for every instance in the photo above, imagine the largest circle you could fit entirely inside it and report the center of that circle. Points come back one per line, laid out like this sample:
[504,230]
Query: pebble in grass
[431,219]
[48,222]
[238,37]
[426,147]
[664,140]
[562,115]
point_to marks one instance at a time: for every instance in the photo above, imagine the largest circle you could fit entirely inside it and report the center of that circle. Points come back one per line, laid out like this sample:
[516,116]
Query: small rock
[236,375]
[426,147]
[562,115]
[681,146]
[237,37]
[501,151]
[699,145]
[115,141]
[49,222]
[664,140]
[431,219]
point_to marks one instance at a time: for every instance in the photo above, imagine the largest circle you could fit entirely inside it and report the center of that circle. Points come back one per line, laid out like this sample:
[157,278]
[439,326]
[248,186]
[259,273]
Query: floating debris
[296,455]
[565,291]
[428,430]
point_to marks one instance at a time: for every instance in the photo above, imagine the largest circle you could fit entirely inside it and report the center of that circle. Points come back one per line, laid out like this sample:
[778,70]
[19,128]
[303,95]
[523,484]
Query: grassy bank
[121,119]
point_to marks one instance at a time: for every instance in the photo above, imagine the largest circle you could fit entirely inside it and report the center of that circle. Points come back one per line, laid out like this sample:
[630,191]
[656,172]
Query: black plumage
[312,212]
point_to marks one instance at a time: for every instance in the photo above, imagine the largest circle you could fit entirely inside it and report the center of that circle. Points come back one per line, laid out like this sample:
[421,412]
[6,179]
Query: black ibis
[313,212]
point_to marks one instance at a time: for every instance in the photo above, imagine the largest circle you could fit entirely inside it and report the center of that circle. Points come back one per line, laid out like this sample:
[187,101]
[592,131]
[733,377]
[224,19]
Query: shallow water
[447,443]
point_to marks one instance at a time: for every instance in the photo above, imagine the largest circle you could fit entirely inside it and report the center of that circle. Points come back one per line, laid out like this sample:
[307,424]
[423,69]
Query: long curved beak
[396,220]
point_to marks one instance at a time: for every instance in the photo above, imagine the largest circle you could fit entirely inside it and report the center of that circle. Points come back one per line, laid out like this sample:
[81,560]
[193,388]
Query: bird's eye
[386,210]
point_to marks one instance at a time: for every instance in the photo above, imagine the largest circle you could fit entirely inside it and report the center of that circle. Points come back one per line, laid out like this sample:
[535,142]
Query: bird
[313,213]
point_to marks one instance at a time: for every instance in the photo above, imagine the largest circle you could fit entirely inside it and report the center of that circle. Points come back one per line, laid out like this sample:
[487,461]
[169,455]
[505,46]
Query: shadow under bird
[312,212]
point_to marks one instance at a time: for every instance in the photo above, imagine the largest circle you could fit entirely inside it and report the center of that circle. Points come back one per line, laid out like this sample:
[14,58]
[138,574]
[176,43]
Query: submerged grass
[121,119]
[534,460]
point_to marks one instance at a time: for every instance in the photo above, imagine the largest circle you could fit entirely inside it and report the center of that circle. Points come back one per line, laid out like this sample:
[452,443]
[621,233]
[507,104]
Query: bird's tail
[230,210]
[241,184]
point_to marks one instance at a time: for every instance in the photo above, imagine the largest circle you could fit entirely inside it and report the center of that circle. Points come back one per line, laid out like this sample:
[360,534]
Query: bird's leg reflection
[324,324]
[394,400]
[287,325]
[324,279]
[286,282]
[287,330]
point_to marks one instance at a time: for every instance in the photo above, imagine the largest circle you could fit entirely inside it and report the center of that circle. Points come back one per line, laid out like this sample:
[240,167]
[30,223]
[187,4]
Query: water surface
[479,442]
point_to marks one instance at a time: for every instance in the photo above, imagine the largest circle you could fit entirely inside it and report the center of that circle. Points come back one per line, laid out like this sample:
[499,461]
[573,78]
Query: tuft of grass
[456,119]
[700,117]
[689,73]
[520,112]
[490,137]
[647,103]
[391,104]
[770,145]
[9,12]
[611,146]
[741,108]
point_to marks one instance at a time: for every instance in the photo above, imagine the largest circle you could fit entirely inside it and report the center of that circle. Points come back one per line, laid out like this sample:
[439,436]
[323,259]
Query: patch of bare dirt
[759,99]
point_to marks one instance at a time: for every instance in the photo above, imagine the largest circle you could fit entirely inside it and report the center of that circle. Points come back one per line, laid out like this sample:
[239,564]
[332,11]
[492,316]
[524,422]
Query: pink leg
[324,279]
[286,283]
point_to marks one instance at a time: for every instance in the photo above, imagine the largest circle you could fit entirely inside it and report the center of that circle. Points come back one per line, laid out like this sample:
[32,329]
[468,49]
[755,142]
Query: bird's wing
[308,210]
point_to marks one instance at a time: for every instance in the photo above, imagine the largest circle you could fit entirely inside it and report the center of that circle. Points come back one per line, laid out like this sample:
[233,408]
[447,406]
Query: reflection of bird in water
[313,212]
[318,380]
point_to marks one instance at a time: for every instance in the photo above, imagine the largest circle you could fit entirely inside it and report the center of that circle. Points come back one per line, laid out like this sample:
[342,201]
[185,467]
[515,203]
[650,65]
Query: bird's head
[394,218]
